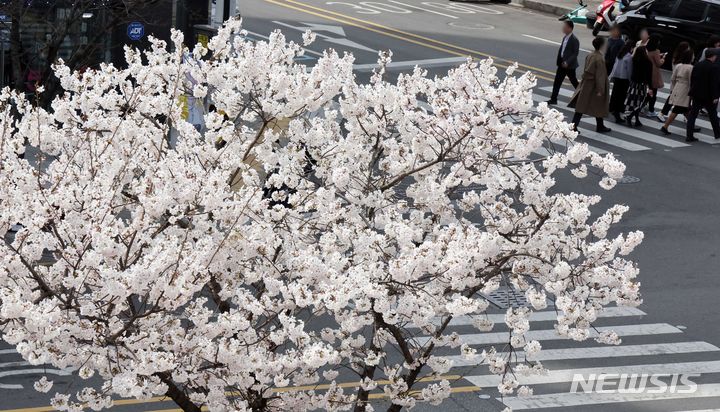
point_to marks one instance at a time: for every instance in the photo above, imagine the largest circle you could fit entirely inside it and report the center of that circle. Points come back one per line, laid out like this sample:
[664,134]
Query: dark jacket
[705,82]
[613,49]
[572,50]
[642,70]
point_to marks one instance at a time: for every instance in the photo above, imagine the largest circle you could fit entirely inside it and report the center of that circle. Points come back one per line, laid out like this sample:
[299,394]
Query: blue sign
[136,31]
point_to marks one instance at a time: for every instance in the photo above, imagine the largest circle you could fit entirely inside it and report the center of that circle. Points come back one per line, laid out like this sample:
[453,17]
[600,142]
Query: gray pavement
[674,200]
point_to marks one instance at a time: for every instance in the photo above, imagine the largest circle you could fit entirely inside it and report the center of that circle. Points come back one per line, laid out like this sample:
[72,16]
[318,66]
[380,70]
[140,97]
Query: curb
[543,6]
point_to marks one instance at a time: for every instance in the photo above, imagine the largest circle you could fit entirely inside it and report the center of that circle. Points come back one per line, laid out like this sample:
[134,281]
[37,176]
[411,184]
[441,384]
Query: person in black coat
[704,92]
[567,60]
[614,44]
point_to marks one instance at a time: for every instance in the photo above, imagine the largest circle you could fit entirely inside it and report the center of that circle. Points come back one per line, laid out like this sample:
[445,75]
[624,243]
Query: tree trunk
[178,396]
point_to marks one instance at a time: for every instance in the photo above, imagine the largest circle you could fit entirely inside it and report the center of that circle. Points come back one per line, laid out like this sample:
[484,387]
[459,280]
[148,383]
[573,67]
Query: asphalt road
[674,200]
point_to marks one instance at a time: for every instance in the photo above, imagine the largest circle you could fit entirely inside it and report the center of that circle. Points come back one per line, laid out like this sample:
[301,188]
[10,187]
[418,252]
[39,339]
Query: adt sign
[136,31]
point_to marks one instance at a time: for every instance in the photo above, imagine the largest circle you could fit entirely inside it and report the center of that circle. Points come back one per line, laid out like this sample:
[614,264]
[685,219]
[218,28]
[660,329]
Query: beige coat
[594,81]
[681,85]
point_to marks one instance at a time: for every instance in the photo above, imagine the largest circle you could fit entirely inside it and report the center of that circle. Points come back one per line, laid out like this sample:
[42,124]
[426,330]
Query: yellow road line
[459,389]
[403,35]
[122,402]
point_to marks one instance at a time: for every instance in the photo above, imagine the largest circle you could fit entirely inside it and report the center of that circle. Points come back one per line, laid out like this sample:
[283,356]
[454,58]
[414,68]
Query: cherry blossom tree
[314,231]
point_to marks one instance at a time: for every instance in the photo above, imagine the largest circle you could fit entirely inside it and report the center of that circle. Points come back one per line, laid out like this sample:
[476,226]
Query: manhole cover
[506,297]
[626,180]
[471,26]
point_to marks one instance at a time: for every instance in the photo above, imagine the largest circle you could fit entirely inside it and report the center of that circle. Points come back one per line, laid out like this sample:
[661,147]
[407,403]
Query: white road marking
[358,9]
[382,7]
[424,9]
[262,36]
[29,372]
[561,400]
[557,43]
[600,352]
[599,137]
[646,329]
[464,8]
[548,316]
[567,375]
[11,364]
[6,351]
[660,140]
[341,41]
[445,61]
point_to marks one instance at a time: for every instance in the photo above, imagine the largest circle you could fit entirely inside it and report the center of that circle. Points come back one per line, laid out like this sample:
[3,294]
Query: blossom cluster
[301,235]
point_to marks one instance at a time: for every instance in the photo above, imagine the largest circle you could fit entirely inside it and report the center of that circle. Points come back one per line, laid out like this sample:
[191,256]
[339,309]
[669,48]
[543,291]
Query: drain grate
[507,297]
[626,180]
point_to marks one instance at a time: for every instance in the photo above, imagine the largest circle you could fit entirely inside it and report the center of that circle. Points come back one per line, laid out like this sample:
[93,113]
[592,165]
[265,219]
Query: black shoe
[552,102]
[637,124]
[603,129]
[618,118]
[665,131]
[691,139]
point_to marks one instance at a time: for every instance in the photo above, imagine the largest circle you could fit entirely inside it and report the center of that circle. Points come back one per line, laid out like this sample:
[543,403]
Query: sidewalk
[556,7]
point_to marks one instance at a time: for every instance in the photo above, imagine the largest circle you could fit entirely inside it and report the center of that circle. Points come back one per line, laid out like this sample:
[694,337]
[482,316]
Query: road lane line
[547,316]
[551,334]
[567,375]
[599,352]
[600,137]
[557,43]
[423,9]
[320,12]
[626,130]
[443,61]
[561,400]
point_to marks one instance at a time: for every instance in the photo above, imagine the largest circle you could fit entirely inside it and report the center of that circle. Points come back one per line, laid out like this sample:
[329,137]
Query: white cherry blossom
[308,232]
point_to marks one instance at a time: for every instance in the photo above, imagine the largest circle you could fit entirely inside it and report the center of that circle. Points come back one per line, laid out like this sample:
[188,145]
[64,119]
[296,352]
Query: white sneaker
[661,117]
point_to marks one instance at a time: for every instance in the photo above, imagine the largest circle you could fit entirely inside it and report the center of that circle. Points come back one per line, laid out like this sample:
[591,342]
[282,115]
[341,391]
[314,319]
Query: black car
[693,21]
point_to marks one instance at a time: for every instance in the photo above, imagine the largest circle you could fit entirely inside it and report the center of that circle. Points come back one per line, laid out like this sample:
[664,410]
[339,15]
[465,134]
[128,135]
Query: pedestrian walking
[592,95]
[639,85]
[680,52]
[658,60]
[615,44]
[680,86]
[712,43]
[620,75]
[704,93]
[567,60]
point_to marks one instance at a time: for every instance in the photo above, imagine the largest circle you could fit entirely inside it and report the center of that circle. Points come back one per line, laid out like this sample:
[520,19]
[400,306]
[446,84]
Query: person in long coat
[680,89]
[592,96]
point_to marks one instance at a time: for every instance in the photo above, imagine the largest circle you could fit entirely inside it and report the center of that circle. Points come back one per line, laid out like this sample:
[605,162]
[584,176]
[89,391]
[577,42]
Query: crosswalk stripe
[567,375]
[682,132]
[7,351]
[636,133]
[559,400]
[613,141]
[551,334]
[11,364]
[604,138]
[547,315]
[601,352]
[662,96]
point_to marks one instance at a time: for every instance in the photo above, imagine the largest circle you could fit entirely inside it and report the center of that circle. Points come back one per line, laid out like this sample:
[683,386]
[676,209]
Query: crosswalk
[17,374]
[624,138]
[648,349]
